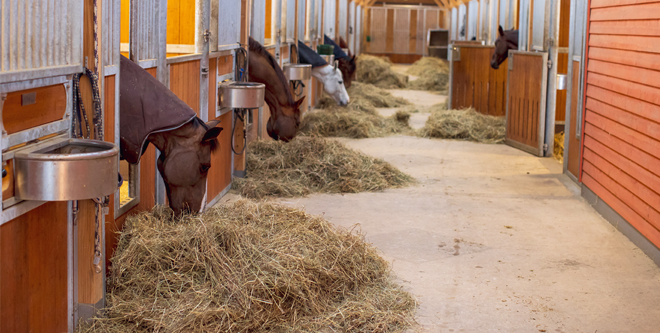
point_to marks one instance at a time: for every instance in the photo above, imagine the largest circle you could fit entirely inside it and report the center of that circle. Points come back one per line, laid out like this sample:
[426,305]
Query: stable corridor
[493,239]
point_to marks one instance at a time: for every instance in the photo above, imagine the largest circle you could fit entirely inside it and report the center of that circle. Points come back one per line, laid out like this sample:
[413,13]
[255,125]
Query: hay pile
[357,120]
[558,151]
[313,165]
[433,74]
[466,124]
[378,72]
[248,267]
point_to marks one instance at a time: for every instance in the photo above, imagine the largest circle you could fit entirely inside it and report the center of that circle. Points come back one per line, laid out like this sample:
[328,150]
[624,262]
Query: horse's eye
[204,167]
[341,82]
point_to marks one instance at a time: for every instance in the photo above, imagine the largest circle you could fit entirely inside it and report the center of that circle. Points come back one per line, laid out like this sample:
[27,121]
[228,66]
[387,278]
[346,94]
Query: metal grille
[401,31]
[229,24]
[111,21]
[56,43]
[421,34]
[351,27]
[145,37]
[343,19]
[290,19]
[329,13]
[259,24]
[430,22]
[378,30]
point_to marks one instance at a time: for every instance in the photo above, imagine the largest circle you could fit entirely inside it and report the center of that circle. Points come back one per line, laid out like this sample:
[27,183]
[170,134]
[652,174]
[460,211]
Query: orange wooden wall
[621,156]
[184,82]
[475,84]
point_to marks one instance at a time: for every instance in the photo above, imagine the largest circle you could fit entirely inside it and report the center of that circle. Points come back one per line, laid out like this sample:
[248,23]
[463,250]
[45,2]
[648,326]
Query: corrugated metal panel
[621,159]
[146,33]
[351,27]
[401,30]
[343,19]
[56,47]
[111,35]
[454,24]
[358,35]
[378,30]
[421,36]
[319,20]
[259,21]
[472,20]
[302,12]
[229,24]
[330,13]
[290,19]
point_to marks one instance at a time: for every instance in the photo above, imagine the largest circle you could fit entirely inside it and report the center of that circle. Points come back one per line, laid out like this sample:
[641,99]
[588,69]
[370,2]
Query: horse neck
[277,96]
[166,141]
[322,73]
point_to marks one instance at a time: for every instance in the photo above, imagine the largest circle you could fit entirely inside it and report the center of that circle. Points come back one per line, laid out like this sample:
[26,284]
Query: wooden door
[526,98]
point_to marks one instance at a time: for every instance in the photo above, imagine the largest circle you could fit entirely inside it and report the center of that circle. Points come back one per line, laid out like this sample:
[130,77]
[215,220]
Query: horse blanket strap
[147,106]
[308,56]
[338,52]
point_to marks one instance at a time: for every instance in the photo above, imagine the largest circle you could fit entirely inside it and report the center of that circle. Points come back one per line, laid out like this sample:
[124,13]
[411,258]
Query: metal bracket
[549,64]
[545,147]
[510,61]
[455,53]
[207,35]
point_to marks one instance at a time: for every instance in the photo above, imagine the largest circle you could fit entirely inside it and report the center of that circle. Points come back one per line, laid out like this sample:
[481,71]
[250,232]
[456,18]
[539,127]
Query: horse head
[506,40]
[284,120]
[185,161]
[333,83]
[348,68]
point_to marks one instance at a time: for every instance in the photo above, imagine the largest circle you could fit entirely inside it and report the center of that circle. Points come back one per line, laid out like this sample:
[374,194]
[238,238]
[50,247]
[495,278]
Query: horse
[506,40]
[284,110]
[346,62]
[329,75]
[151,113]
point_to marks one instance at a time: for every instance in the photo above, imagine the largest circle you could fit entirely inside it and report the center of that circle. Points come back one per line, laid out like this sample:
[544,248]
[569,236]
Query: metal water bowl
[329,58]
[66,169]
[242,95]
[298,72]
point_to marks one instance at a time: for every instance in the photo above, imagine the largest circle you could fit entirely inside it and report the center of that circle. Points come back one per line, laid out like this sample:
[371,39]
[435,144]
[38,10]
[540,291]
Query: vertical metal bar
[133,41]
[203,18]
[569,87]
[163,75]
[13,35]
[29,23]
[553,35]
[20,31]
[72,266]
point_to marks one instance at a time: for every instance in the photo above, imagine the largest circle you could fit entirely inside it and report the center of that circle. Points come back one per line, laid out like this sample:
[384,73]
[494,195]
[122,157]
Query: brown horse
[151,113]
[506,40]
[345,62]
[284,110]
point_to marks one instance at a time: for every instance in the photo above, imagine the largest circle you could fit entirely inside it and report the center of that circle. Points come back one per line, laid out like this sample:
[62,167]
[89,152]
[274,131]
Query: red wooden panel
[636,12]
[625,57]
[633,43]
[628,28]
[619,184]
[33,275]
[628,88]
[624,210]
[622,162]
[611,3]
[634,106]
[646,194]
[631,74]
[637,139]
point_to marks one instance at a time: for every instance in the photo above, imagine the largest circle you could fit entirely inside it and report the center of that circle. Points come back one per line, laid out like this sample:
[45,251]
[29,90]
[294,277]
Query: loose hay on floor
[248,267]
[558,151]
[466,124]
[359,119]
[313,165]
[433,74]
[378,71]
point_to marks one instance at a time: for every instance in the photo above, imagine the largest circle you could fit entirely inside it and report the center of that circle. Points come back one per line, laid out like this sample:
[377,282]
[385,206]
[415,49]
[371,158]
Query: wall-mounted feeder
[242,95]
[298,72]
[66,169]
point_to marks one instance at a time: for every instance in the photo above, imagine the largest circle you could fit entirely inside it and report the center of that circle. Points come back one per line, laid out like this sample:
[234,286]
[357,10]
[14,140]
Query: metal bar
[183,58]
[203,18]
[19,209]
[35,133]
[163,75]
[29,84]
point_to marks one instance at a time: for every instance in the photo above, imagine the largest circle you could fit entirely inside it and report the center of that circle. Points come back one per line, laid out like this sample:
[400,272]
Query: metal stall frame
[542,146]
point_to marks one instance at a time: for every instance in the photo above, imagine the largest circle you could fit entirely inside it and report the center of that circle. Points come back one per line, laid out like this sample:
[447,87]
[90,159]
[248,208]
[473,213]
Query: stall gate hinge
[545,147]
[549,64]
[207,35]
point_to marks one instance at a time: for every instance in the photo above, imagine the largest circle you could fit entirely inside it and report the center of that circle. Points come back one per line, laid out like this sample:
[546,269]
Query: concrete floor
[493,239]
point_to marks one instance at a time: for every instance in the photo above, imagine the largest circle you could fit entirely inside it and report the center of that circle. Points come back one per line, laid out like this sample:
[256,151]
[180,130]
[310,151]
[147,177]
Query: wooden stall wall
[562,58]
[184,82]
[180,27]
[475,84]
[621,132]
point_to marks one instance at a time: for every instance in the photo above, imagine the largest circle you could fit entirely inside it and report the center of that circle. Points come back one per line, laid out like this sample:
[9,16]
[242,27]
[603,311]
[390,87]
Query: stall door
[526,100]
[378,30]
[401,30]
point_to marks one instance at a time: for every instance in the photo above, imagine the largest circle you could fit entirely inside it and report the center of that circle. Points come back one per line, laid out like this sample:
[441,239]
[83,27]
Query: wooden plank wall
[220,173]
[573,142]
[184,82]
[180,23]
[525,86]
[33,275]
[621,137]
[562,57]
[475,84]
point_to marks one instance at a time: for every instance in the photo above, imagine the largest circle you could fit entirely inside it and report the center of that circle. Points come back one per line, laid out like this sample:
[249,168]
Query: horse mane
[196,123]
[254,46]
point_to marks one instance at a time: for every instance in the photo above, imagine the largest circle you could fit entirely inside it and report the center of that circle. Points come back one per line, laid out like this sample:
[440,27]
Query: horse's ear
[299,102]
[353,59]
[211,134]
[500,31]
[212,123]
